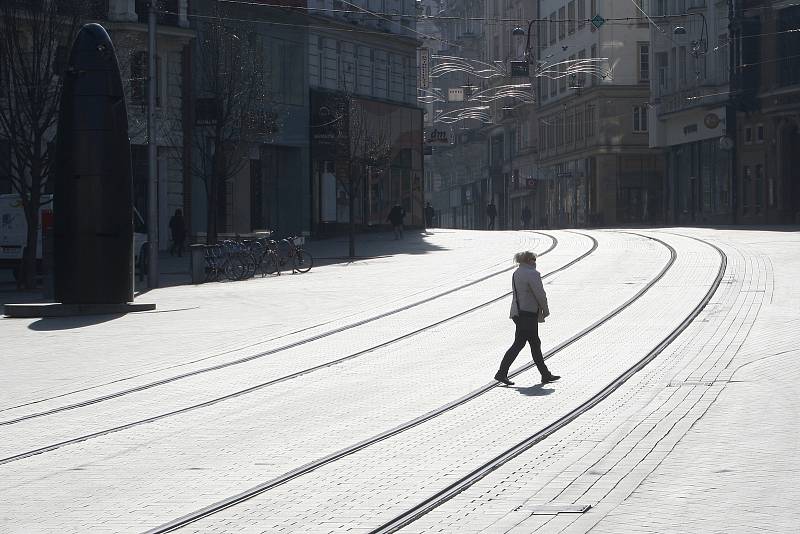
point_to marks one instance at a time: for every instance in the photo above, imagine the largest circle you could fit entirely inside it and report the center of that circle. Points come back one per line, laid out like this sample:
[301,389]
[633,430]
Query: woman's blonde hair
[524,257]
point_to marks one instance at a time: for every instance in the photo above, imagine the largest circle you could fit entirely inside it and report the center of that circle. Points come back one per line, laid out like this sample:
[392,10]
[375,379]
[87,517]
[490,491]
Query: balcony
[691,98]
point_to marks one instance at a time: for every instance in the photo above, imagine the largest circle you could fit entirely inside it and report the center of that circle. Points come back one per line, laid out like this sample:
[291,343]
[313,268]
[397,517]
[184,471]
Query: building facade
[692,117]
[365,124]
[767,84]
[595,165]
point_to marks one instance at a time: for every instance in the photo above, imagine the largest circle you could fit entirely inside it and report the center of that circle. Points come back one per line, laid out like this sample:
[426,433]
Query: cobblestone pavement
[665,452]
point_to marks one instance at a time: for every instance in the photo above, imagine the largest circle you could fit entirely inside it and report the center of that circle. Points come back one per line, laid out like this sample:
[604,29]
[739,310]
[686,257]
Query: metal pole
[152,169]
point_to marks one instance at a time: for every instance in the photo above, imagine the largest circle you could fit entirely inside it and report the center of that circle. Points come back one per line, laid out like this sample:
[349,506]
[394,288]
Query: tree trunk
[211,211]
[28,277]
[31,208]
[352,226]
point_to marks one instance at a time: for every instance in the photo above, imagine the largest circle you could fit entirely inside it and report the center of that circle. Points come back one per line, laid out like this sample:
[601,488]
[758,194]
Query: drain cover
[553,509]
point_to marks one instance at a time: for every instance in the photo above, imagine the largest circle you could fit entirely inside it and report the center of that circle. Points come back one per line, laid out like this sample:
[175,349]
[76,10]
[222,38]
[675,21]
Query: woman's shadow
[537,390]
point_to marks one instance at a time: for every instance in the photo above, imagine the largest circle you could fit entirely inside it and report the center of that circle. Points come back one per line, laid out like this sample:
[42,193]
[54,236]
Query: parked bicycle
[290,253]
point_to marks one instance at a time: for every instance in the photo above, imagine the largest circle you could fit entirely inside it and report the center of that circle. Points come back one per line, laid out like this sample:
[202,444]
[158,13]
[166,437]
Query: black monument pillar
[92,202]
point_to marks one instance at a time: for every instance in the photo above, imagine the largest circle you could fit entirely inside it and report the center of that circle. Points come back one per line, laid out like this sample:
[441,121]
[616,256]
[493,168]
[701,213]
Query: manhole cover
[553,509]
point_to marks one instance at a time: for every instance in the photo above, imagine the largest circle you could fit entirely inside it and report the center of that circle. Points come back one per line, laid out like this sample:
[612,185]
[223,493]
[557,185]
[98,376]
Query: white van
[14,230]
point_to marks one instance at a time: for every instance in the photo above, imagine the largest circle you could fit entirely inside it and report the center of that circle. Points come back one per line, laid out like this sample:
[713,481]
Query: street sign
[424,75]
[598,21]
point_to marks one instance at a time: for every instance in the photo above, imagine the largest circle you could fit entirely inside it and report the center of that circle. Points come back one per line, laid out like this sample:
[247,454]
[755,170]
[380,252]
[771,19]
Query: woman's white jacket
[528,283]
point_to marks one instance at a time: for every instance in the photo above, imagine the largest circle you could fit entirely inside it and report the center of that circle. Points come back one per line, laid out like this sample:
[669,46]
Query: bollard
[197,254]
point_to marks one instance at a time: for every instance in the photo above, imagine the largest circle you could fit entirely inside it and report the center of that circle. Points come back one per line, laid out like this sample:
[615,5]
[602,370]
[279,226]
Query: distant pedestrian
[528,309]
[429,213]
[396,216]
[177,227]
[491,212]
[526,217]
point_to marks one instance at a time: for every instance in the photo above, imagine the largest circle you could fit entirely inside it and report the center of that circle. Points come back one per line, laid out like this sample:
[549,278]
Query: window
[759,186]
[748,178]
[697,3]
[788,45]
[595,65]
[759,133]
[682,66]
[662,64]
[748,135]
[542,136]
[639,118]
[581,13]
[722,59]
[553,87]
[553,29]
[562,77]
[5,167]
[571,17]
[592,12]
[3,71]
[569,124]
[582,62]
[644,62]
[139,79]
[578,125]
[589,121]
[562,25]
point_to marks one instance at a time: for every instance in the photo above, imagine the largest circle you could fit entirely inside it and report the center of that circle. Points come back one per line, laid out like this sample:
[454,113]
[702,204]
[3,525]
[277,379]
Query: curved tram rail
[256,387]
[471,478]
[275,350]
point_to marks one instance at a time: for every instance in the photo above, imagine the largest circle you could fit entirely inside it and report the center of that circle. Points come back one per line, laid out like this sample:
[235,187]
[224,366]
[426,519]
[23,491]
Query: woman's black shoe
[503,379]
[549,378]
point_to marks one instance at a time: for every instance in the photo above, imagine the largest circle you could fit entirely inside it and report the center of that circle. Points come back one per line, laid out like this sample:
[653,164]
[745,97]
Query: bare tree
[36,36]
[364,142]
[232,105]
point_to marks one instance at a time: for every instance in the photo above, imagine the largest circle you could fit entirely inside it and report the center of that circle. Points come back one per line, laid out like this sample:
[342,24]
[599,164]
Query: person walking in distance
[429,212]
[396,216]
[491,212]
[526,217]
[528,309]
[177,227]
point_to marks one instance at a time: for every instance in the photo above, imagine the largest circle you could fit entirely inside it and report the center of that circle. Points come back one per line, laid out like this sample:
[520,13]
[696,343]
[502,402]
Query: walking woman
[528,309]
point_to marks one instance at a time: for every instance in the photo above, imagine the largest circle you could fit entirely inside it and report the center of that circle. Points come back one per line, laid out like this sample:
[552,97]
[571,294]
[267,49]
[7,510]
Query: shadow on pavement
[69,323]
[534,391]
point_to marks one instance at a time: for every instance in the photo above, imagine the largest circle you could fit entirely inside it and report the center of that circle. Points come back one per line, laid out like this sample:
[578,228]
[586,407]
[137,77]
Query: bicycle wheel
[235,268]
[302,261]
[269,263]
[250,264]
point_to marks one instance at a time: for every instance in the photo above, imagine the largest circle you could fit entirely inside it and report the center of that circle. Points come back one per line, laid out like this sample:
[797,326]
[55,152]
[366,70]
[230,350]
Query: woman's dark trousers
[520,338]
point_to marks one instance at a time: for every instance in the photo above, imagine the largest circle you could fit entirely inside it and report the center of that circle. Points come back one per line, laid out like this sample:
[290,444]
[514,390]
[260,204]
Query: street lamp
[700,46]
[521,67]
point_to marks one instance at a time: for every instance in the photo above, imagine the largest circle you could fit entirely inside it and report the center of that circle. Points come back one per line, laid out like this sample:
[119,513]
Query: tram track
[216,400]
[434,501]
[415,512]
[269,352]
